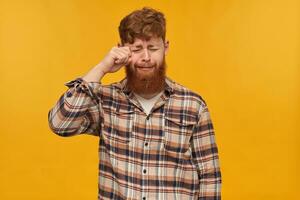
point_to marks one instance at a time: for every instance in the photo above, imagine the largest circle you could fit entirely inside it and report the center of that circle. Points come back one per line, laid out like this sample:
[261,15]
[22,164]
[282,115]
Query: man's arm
[79,109]
[205,156]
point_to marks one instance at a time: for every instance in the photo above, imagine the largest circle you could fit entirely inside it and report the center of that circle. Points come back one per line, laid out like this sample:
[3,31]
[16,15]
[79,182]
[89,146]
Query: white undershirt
[147,104]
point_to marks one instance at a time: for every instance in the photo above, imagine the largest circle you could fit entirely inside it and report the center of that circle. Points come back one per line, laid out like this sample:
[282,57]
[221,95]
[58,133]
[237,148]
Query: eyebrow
[141,46]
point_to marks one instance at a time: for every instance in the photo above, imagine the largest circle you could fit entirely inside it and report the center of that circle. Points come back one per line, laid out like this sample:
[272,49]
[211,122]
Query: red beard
[146,83]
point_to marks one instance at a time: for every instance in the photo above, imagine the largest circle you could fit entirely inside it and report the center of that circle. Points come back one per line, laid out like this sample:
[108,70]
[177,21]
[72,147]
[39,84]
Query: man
[156,136]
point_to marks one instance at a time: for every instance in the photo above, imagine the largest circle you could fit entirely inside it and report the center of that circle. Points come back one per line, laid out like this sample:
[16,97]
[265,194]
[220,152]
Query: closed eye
[136,50]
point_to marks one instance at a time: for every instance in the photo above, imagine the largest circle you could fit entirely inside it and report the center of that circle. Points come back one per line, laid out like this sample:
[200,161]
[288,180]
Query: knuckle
[113,49]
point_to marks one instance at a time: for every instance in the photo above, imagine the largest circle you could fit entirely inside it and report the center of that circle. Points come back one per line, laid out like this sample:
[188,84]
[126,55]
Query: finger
[124,47]
[126,50]
[124,53]
[128,62]
[123,57]
[129,51]
[116,57]
[118,53]
[121,60]
[117,50]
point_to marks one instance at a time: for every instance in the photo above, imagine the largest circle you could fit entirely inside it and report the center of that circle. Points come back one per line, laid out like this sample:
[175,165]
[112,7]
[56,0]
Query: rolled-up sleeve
[77,110]
[205,156]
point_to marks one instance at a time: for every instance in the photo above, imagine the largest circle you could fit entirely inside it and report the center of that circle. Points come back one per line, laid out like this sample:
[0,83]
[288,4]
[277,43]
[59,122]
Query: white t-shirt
[147,104]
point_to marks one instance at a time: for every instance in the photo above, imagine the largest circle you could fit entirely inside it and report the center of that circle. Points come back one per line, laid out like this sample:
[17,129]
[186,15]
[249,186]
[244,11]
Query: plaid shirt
[169,154]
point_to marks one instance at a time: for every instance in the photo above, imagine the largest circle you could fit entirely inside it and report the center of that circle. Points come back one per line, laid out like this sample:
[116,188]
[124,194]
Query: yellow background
[242,56]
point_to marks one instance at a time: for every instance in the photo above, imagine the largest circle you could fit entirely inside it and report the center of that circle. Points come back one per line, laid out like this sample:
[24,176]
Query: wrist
[95,74]
[101,68]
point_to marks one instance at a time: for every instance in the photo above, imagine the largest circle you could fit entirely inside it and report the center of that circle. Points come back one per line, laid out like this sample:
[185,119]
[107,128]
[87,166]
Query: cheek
[158,58]
[158,55]
[134,59]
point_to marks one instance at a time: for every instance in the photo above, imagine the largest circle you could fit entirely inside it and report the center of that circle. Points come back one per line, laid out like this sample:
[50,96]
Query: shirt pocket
[177,135]
[117,125]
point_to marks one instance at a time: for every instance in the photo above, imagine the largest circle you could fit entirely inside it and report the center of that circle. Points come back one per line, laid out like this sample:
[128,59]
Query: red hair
[142,24]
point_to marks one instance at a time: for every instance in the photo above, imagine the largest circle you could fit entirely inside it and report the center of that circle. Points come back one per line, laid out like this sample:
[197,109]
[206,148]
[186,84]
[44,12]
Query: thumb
[117,61]
[129,61]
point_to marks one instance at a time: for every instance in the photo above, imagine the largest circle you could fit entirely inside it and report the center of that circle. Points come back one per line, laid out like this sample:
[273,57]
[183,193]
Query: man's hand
[115,59]
[112,62]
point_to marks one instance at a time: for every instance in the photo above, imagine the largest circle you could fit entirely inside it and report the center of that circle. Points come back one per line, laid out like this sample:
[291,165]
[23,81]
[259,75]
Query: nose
[146,56]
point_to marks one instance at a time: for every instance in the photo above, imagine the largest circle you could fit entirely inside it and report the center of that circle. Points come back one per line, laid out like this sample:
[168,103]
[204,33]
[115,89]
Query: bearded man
[156,138]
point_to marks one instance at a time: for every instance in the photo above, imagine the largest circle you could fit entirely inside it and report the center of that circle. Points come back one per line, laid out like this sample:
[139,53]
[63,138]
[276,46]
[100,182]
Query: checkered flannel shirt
[169,154]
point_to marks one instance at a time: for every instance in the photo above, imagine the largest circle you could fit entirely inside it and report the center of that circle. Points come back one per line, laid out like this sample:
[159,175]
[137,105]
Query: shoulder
[186,93]
[187,96]
[111,88]
[113,92]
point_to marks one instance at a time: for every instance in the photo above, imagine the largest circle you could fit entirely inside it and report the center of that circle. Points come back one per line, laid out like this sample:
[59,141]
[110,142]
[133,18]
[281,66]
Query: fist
[115,59]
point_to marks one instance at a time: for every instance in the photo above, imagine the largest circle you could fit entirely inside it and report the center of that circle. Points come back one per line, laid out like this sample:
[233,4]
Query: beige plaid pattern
[169,154]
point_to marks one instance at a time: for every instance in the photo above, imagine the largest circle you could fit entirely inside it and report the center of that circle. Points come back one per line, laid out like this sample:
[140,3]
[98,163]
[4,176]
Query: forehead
[151,41]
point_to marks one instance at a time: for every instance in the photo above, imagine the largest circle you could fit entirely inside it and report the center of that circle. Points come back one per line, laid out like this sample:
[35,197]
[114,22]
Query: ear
[166,47]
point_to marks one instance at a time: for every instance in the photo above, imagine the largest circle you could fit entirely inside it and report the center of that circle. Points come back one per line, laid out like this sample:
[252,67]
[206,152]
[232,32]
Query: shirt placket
[145,170]
[146,153]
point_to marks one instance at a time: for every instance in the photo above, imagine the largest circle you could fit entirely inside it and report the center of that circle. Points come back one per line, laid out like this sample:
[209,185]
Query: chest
[168,127]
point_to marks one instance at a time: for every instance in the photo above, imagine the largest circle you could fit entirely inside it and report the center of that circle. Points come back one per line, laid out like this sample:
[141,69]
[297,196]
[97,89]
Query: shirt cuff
[81,85]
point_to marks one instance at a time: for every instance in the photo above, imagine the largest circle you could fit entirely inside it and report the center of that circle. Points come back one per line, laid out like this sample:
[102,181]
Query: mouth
[145,68]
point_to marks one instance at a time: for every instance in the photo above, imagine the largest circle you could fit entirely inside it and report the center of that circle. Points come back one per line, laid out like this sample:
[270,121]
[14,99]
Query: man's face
[147,56]
[146,72]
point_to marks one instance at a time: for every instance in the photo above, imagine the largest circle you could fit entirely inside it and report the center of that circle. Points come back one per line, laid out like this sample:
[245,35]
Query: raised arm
[78,110]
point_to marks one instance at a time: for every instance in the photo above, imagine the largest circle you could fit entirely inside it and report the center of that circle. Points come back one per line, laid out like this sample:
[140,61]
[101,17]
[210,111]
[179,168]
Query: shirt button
[146,143]
[69,94]
[144,171]
[144,198]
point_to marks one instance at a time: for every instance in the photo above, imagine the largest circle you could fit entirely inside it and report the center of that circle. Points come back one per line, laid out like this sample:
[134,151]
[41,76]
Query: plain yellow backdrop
[242,56]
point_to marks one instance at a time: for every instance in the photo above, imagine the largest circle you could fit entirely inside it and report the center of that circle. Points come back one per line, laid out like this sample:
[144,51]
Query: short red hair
[142,24]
